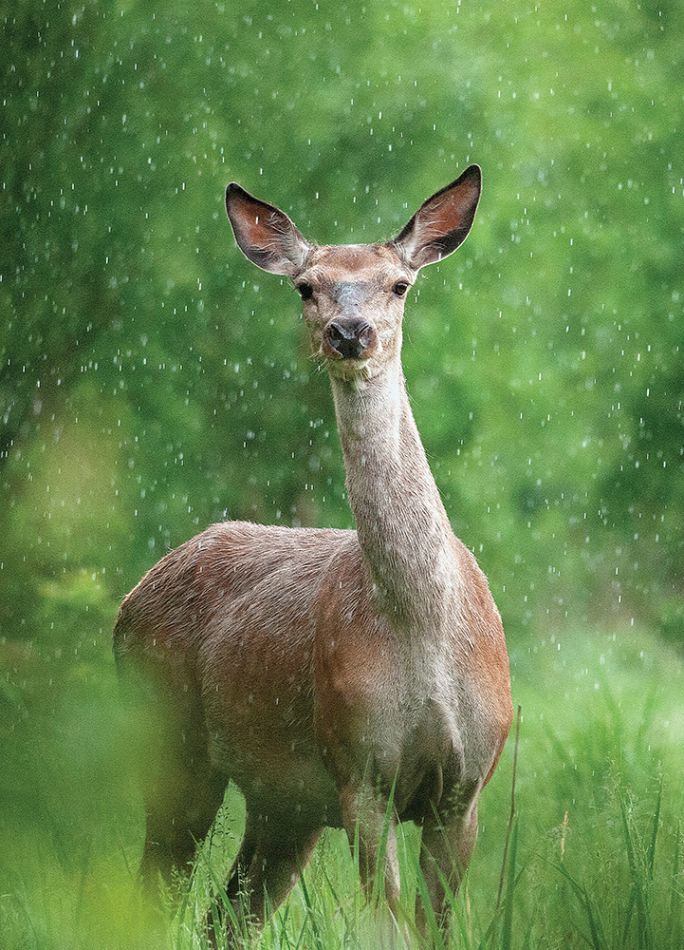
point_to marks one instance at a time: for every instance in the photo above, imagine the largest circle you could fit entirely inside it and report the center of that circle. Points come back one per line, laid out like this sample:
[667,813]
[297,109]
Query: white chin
[350,369]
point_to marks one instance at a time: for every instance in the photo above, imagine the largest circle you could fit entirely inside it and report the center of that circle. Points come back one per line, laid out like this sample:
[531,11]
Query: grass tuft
[580,846]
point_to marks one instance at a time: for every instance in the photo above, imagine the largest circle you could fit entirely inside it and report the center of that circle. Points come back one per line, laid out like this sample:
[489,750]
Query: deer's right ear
[265,234]
[442,222]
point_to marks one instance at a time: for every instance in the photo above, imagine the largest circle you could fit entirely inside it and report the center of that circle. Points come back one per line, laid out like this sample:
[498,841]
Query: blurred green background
[153,381]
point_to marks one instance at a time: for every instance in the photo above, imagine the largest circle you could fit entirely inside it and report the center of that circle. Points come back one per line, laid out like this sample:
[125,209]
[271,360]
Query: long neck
[402,526]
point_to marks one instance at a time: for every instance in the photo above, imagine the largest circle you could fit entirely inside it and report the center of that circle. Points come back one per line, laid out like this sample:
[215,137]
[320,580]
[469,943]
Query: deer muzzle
[348,339]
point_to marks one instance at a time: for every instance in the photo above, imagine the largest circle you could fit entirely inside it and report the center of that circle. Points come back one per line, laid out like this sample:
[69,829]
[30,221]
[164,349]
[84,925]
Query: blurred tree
[152,380]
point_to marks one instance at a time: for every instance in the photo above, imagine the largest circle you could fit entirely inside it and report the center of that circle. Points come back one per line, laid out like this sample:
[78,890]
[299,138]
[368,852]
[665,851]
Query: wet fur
[324,671]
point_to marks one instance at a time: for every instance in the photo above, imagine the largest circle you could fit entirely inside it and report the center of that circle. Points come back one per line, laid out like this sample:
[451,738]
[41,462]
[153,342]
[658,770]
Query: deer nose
[349,338]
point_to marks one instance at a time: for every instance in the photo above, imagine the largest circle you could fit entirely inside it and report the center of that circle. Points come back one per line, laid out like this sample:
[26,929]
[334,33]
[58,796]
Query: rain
[153,382]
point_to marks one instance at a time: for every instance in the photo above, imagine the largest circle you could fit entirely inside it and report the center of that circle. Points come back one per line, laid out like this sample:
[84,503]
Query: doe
[340,678]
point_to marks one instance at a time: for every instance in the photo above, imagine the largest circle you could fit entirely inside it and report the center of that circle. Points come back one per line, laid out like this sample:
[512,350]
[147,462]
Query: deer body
[328,672]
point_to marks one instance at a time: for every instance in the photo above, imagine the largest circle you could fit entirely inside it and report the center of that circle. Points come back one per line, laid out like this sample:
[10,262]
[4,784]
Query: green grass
[594,851]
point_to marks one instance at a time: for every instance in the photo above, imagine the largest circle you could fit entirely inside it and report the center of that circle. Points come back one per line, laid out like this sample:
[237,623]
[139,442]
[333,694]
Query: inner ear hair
[442,222]
[264,233]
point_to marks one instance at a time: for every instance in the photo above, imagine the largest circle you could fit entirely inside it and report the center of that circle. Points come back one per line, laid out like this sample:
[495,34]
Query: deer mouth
[348,368]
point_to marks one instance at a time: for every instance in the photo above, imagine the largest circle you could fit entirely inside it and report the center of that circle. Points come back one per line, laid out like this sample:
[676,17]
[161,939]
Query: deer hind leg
[181,788]
[447,845]
[181,804]
[238,881]
[265,870]
[275,869]
[238,887]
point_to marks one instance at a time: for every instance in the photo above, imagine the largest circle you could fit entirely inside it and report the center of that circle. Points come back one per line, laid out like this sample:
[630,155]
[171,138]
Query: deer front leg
[366,814]
[447,845]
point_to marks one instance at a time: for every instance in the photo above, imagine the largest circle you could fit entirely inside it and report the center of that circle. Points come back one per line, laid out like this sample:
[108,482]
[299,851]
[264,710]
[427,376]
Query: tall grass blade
[282,925]
[220,897]
[381,861]
[674,925]
[310,915]
[597,938]
[654,832]
[465,923]
[638,883]
[507,928]
[350,933]
[628,917]
[511,816]
[301,934]
[185,900]
[433,928]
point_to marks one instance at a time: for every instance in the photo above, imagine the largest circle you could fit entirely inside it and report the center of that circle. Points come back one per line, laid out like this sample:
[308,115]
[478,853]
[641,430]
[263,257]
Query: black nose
[349,338]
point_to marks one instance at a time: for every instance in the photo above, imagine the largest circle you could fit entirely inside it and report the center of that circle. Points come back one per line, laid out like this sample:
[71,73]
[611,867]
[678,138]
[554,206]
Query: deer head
[353,294]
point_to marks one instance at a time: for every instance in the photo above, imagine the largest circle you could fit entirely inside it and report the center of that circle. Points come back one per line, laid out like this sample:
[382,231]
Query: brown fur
[325,671]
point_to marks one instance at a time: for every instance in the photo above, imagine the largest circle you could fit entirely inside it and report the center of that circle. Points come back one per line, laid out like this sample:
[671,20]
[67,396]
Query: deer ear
[442,222]
[265,234]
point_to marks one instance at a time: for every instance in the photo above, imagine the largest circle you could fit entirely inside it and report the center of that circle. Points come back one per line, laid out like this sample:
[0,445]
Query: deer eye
[305,291]
[400,288]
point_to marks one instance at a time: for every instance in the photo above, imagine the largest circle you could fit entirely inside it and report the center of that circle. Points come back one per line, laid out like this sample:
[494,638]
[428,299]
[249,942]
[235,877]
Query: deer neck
[401,523]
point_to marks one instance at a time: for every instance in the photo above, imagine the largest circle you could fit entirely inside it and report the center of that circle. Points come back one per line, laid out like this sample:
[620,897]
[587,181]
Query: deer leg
[240,868]
[365,814]
[276,867]
[256,889]
[177,819]
[182,790]
[237,888]
[447,845]
[181,803]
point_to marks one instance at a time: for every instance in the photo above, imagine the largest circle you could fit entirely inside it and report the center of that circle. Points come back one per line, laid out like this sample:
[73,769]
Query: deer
[340,678]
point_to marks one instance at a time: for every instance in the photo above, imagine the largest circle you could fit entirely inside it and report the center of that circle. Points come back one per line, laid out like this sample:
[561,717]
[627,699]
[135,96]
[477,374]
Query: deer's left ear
[442,222]
[264,233]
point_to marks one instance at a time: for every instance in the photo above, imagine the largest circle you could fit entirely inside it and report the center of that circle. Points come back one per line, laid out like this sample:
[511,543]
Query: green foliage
[143,352]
